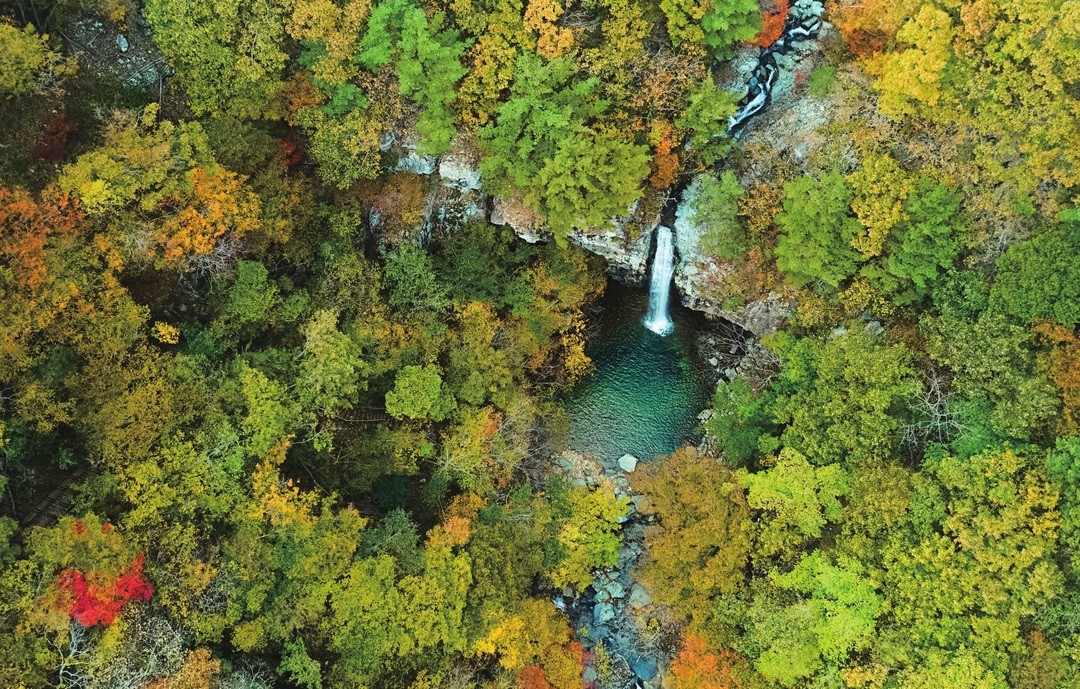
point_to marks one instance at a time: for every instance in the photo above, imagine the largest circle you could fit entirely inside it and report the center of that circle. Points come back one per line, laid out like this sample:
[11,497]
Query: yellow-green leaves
[913,76]
[25,60]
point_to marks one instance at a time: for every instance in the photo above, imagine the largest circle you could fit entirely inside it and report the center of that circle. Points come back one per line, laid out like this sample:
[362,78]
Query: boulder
[615,590]
[628,463]
[644,667]
[603,613]
[639,597]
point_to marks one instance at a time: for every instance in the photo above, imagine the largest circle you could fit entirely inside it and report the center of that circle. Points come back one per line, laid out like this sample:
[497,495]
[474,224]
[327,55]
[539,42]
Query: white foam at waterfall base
[663,268]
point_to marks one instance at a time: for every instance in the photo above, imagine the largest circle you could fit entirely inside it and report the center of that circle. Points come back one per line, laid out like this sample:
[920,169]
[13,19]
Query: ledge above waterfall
[626,251]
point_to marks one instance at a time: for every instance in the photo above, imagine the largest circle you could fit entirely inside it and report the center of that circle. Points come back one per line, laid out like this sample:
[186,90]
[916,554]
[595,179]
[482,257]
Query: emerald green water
[646,391]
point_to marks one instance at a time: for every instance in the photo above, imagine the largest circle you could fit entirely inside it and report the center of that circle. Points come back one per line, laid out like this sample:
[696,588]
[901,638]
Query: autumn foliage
[53,141]
[532,677]
[26,225]
[665,164]
[1062,365]
[97,596]
[219,203]
[772,25]
[101,603]
[696,668]
[867,26]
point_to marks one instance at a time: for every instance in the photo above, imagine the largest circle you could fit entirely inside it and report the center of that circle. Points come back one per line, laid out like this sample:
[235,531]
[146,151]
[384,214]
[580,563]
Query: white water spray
[663,268]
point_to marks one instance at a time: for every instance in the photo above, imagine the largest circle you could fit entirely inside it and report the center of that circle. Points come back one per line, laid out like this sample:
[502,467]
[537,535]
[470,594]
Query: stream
[642,399]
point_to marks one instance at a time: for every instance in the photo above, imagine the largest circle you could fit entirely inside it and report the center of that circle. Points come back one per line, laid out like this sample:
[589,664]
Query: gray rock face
[523,221]
[603,613]
[628,463]
[461,166]
[639,597]
[627,258]
[459,173]
[644,667]
[698,276]
[418,164]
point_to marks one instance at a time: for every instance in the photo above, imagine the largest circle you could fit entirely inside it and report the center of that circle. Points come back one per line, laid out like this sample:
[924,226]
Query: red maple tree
[97,596]
[532,677]
[97,600]
[53,141]
[773,25]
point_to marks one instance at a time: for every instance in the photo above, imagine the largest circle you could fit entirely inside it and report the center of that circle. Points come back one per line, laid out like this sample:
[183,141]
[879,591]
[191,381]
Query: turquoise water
[646,391]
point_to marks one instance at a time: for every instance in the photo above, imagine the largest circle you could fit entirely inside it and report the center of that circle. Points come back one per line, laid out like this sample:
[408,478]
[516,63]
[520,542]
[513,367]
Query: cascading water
[663,268]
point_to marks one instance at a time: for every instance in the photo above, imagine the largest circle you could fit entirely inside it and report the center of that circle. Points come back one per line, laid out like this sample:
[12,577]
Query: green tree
[287,550]
[739,417]
[715,209]
[1063,469]
[270,414]
[546,105]
[587,538]
[728,23]
[414,286]
[816,230]
[976,557]
[346,146]
[841,399]
[428,68]
[842,603]
[420,393]
[715,26]
[992,361]
[591,178]
[1040,278]
[921,248]
[542,146]
[228,55]
[25,60]
[796,501]
[332,369]
[706,117]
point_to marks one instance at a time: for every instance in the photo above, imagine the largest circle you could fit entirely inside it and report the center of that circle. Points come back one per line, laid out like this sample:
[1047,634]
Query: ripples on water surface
[646,391]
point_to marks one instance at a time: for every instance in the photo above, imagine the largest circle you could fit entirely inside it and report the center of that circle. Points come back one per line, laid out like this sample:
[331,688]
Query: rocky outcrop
[699,278]
[460,166]
[627,255]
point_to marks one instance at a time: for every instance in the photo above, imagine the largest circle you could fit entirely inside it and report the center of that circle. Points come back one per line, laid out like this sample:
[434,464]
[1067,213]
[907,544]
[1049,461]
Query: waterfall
[663,268]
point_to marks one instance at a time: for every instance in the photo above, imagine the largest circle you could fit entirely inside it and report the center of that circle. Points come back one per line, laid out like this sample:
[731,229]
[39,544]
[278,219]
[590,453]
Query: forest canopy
[294,294]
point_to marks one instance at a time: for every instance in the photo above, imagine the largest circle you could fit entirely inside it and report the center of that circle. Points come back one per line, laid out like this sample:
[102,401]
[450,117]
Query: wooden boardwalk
[365,416]
[56,503]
